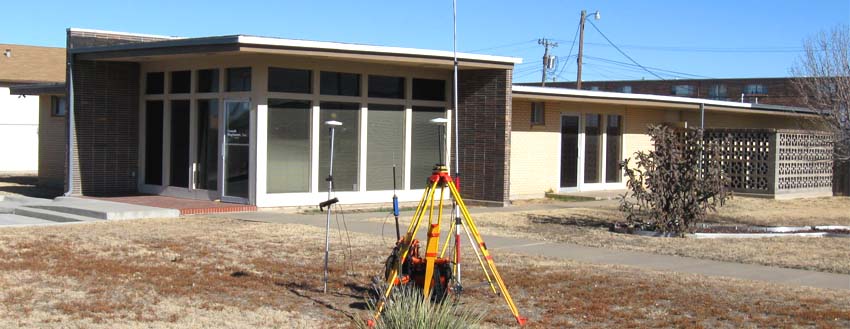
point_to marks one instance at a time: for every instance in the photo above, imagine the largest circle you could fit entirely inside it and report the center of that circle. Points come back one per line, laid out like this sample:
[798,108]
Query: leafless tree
[823,79]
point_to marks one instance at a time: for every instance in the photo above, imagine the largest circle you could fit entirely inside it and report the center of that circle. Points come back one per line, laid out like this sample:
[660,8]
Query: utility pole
[548,61]
[581,44]
[580,48]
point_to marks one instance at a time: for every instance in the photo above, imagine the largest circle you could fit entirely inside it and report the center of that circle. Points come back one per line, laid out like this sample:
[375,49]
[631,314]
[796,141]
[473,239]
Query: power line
[771,49]
[674,73]
[622,52]
[567,60]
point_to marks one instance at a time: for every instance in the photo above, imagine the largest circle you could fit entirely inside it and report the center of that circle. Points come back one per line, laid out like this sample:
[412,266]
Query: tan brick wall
[535,150]
[51,144]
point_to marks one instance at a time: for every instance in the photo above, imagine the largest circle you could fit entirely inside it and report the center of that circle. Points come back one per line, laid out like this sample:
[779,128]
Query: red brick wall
[780,91]
[485,124]
[106,113]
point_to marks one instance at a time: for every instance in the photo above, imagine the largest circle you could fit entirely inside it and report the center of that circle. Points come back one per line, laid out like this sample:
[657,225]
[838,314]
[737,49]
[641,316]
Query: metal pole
[580,48]
[702,135]
[328,220]
[457,139]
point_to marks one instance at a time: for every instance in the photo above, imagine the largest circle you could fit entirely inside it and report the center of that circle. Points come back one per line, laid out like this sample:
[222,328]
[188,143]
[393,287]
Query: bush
[406,309]
[671,191]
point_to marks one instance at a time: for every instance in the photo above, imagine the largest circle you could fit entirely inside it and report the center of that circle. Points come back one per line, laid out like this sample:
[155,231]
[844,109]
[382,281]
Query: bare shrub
[674,185]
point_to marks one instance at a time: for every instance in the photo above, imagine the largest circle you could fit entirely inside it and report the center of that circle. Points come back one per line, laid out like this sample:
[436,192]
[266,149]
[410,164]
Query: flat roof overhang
[653,101]
[240,44]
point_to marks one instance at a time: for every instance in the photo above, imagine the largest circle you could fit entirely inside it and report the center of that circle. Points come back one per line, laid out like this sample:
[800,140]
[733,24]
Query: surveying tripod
[408,244]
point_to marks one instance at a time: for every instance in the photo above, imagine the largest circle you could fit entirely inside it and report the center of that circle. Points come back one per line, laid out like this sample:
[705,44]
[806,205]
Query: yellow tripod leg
[432,246]
[491,264]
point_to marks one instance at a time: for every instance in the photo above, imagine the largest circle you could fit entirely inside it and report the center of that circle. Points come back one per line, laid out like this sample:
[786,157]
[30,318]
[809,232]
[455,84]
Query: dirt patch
[217,273]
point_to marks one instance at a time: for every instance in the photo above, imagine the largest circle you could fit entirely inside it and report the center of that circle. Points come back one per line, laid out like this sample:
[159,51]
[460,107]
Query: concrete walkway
[792,277]
[25,211]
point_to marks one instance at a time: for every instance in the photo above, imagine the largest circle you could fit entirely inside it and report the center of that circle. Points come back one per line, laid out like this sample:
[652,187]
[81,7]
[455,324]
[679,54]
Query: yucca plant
[406,309]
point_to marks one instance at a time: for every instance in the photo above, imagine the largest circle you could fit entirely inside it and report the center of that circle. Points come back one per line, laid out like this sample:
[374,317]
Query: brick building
[240,119]
[774,91]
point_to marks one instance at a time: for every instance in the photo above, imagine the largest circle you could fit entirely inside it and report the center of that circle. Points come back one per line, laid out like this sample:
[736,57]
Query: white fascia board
[350,47]
[550,91]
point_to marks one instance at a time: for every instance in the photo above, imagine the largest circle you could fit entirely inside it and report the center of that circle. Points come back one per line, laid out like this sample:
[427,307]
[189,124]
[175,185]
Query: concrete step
[106,209]
[53,216]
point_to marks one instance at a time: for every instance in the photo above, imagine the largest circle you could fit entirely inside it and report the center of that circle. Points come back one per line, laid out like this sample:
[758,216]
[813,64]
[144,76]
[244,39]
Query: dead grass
[216,273]
[589,227]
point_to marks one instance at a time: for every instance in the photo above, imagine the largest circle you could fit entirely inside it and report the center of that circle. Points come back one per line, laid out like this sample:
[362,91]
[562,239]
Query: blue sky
[717,39]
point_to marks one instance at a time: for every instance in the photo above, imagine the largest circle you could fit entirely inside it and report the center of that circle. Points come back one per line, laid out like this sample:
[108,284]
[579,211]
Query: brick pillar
[484,100]
[106,118]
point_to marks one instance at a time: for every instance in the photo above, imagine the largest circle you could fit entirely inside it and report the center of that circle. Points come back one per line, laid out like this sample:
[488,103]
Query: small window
[208,81]
[538,113]
[155,83]
[181,82]
[717,92]
[290,80]
[594,88]
[340,84]
[755,89]
[239,79]
[683,90]
[58,106]
[429,90]
[386,87]
[625,89]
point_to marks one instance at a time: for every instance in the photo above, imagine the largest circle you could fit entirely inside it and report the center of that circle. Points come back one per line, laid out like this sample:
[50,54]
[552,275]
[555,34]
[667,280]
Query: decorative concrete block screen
[777,163]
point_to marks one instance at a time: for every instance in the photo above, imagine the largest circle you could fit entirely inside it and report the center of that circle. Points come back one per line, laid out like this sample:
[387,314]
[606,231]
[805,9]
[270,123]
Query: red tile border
[186,206]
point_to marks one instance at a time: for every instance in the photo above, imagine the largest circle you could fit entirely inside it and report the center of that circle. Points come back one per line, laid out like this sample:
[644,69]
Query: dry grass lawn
[217,273]
[589,227]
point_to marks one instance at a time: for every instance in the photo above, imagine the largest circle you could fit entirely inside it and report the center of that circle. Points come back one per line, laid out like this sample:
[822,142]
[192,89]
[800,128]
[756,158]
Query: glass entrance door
[237,132]
[569,151]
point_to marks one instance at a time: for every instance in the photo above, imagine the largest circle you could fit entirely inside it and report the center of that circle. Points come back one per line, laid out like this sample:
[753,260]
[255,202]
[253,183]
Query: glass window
[208,81]
[340,84]
[592,144]
[154,83]
[288,146]
[537,113]
[683,90]
[207,134]
[58,106]
[755,89]
[625,89]
[153,142]
[429,90]
[290,80]
[386,87]
[594,88]
[717,91]
[346,148]
[613,148]
[425,148]
[179,143]
[239,79]
[385,146]
[181,82]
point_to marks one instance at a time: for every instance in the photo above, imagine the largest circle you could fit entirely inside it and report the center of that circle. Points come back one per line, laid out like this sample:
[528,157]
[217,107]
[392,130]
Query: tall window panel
[288,153]
[207,135]
[346,146]
[385,146]
[613,148]
[592,145]
[179,143]
[153,142]
[425,148]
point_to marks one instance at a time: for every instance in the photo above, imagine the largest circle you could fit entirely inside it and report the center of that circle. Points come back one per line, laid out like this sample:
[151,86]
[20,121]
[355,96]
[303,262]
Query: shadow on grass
[579,221]
[27,185]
